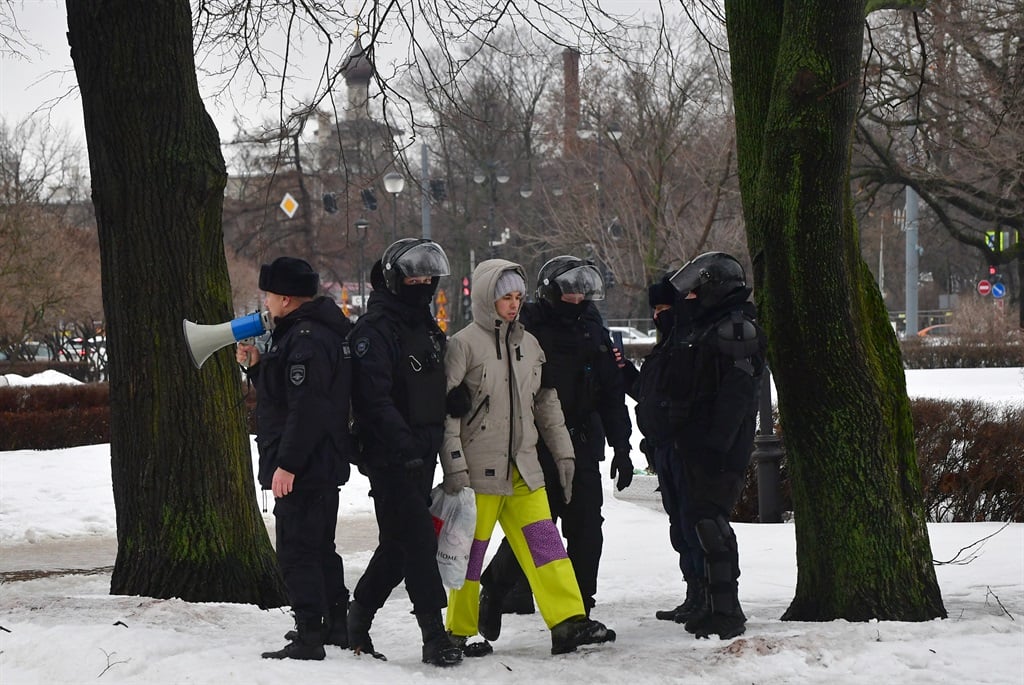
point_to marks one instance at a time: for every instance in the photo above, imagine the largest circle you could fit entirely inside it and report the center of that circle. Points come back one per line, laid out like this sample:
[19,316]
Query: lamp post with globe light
[394,183]
[492,176]
[362,225]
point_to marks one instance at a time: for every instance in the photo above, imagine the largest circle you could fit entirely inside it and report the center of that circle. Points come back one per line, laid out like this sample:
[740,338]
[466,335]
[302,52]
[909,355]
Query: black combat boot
[438,648]
[576,631]
[336,626]
[335,630]
[307,645]
[519,600]
[722,617]
[489,623]
[359,620]
[722,614]
[695,602]
[471,649]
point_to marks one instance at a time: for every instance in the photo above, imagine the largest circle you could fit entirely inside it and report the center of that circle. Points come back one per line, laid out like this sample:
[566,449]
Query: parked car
[939,330]
[37,351]
[938,334]
[92,350]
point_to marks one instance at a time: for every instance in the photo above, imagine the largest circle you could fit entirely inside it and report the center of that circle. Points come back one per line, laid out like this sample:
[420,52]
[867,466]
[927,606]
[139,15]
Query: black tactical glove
[623,466]
[458,403]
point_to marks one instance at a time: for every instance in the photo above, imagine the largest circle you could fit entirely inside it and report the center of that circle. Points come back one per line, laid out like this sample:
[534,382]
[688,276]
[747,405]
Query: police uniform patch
[297,373]
[362,346]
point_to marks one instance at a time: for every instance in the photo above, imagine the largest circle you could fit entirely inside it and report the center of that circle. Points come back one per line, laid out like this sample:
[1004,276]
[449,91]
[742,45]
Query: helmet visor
[690,277]
[582,280]
[424,259]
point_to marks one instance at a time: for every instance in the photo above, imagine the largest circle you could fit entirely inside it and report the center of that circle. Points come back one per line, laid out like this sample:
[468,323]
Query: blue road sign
[998,290]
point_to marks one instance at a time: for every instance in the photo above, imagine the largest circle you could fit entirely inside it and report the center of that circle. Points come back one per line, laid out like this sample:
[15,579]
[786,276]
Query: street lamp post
[493,177]
[394,182]
[613,132]
[361,227]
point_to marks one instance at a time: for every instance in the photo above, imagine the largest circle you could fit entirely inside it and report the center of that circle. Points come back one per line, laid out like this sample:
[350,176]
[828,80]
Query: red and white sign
[984,287]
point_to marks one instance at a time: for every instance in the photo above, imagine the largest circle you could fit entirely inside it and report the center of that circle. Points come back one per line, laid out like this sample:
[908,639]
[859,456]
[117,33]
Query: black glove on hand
[623,466]
[458,403]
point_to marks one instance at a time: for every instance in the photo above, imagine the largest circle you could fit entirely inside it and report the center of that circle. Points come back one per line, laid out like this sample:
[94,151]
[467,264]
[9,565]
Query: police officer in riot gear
[710,379]
[581,366]
[651,389]
[399,411]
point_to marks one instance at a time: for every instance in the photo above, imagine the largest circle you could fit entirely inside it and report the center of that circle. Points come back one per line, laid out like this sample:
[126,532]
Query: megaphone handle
[248,345]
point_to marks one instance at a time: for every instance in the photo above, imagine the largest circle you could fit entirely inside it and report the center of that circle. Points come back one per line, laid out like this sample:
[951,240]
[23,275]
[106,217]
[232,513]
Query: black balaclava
[665,321]
[419,295]
[569,311]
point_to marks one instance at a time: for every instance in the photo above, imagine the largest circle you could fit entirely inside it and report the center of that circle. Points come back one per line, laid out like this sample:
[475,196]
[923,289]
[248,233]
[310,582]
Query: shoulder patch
[362,346]
[297,374]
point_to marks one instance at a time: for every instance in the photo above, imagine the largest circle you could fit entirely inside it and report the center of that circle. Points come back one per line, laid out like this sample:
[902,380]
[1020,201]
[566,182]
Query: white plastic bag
[454,523]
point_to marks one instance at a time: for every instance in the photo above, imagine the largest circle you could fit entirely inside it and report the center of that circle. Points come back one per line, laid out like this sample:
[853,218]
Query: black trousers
[407,544]
[581,527]
[314,574]
[674,488]
[712,495]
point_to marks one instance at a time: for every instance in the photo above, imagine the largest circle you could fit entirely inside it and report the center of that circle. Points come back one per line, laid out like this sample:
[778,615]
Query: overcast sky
[42,77]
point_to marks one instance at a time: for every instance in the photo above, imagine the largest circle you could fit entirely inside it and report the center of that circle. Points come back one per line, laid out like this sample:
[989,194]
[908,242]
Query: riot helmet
[568,275]
[413,258]
[713,276]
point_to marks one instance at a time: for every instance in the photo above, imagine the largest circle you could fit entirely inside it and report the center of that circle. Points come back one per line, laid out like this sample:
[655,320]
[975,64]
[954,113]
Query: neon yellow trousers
[525,517]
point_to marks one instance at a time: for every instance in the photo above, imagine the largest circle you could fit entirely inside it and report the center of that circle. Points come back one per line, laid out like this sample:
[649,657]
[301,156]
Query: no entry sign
[984,287]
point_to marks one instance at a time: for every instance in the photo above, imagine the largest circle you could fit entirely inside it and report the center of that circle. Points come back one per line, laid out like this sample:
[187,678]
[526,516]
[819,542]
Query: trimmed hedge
[918,355]
[971,458]
[44,417]
[971,454]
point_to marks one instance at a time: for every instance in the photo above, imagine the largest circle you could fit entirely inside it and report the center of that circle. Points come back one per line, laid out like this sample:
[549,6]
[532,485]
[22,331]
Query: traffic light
[369,199]
[330,203]
[993,273]
[438,190]
[467,300]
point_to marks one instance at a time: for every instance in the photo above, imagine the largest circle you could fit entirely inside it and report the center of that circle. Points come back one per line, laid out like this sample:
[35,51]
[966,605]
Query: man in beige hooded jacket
[493,449]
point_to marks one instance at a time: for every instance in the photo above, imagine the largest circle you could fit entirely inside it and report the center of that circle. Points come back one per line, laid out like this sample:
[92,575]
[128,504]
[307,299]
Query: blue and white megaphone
[203,340]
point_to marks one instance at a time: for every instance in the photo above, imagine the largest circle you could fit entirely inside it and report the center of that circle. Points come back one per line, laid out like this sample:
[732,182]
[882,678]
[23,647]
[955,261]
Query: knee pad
[716,536]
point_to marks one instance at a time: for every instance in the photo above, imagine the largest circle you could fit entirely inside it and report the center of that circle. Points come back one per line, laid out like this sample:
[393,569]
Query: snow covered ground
[56,512]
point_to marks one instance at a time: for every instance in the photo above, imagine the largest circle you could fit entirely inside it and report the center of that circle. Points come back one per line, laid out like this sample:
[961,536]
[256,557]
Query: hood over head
[485,280]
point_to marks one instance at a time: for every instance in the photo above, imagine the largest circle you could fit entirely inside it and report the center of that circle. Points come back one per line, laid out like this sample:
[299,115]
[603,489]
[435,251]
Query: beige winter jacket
[500,364]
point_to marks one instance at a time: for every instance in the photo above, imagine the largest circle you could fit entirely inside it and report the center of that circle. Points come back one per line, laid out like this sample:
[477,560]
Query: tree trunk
[188,524]
[862,544]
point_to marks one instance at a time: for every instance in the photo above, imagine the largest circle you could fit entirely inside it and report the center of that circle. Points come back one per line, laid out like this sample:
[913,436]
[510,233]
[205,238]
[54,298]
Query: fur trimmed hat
[289,276]
[509,281]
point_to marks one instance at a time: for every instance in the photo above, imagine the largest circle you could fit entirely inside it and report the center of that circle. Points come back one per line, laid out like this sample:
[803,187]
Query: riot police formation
[697,395]
[580,365]
[399,412]
[303,385]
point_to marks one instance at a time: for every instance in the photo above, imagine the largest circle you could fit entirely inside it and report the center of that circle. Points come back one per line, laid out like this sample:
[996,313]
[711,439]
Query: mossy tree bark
[188,524]
[862,543]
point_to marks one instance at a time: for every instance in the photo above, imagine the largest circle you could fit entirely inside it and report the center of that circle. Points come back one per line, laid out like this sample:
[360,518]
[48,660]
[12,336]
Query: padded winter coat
[500,364]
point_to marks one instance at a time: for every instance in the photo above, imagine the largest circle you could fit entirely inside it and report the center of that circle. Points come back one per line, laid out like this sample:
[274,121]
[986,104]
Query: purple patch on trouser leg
[544,542]
[476,559]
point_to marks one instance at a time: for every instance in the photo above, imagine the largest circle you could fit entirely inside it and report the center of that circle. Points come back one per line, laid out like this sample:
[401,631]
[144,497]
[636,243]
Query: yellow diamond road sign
[288,205]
